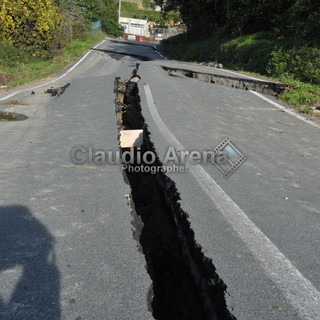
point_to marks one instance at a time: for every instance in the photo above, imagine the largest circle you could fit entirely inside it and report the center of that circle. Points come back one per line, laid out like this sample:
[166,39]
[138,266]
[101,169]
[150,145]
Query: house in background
[135,29]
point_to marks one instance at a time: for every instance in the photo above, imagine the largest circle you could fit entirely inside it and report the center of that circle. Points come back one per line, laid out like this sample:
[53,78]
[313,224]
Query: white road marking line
[158,52]
[240,74]
[301,293]
[293,113]
[161,55]
[53,80]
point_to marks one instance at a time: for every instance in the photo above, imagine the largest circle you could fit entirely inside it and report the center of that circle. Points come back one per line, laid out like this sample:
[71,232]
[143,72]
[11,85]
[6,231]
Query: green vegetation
[18,67]
[303,95]
[302,63]
[131,10]
[147,3]
[291,19]
[38,37]
[30,25]
[7,116]
[43,27]
[107,12]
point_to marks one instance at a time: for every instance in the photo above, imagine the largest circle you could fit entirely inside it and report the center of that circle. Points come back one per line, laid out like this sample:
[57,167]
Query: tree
[290,18]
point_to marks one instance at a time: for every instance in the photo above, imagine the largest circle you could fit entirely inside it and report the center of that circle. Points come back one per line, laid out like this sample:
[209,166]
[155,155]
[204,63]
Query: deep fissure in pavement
[185,282]
[266,87]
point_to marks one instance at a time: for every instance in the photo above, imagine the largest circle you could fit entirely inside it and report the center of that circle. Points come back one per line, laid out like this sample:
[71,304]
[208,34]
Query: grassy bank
[294,63]
[18,67]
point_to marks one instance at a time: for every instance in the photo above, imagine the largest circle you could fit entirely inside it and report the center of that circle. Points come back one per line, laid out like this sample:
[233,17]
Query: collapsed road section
[185,284]
[261,86]
[137,56]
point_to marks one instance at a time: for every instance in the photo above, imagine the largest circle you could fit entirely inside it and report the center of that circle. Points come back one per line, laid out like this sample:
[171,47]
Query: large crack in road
[266,87]
[130,54]
[185,284]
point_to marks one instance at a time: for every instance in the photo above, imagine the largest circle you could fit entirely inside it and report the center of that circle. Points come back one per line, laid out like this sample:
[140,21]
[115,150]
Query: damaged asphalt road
[185,284]
[68,239]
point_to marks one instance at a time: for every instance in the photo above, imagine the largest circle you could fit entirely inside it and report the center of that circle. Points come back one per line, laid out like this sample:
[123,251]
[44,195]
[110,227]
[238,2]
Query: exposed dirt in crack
[261,86]
[56,92]
[185,282]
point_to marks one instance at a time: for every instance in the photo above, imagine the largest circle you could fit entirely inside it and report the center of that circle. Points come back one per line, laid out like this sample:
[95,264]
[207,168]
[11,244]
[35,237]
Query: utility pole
[119,11]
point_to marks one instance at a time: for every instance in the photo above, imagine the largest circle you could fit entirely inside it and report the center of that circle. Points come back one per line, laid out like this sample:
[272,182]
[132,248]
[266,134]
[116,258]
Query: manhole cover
[11,116]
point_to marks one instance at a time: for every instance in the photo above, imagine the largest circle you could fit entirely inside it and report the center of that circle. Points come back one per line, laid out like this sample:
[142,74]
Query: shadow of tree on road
[29,278]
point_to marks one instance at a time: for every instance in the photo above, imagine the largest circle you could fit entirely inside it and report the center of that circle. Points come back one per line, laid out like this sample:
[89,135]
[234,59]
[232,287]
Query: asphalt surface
[66,244]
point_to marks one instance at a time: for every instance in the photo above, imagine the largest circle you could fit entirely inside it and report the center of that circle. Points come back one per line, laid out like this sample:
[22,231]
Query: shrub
[30,24]
[277,65]
[112,27]
[11,56]
[301,63]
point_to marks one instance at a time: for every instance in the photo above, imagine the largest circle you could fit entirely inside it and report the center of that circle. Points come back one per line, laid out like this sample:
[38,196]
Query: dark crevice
[185,284]
[266,87]
[138,56]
